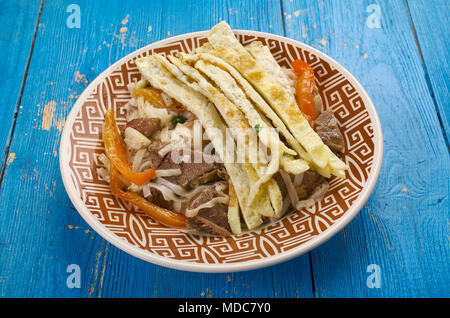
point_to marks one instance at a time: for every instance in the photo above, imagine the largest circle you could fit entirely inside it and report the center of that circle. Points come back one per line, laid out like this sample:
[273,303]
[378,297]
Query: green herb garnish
[178,119]
[257,128]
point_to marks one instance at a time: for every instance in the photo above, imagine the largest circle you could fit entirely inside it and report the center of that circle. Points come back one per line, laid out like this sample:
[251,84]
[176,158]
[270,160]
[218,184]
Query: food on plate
[222,140]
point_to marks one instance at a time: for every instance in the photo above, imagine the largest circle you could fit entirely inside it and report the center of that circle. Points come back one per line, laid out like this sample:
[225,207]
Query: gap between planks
[19,99]
[282,17]
[427,77]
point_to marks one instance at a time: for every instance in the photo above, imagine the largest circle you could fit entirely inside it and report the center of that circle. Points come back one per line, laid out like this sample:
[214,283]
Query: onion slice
[290,188]
[168,172]
[217,200]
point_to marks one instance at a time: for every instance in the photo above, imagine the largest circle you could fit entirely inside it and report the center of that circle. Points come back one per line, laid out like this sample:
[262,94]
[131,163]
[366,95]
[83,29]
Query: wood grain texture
[430,20]
[403,228]
[41,232]
[16,37]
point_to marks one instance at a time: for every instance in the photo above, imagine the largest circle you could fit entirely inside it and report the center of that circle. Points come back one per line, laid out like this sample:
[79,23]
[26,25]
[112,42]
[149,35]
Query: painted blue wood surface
[430,20]
[16,37]
[403,228]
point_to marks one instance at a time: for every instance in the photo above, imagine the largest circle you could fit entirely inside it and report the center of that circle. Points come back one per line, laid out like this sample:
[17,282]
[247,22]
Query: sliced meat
[157,198]
[311,180]
[328,130]
[192,173]
[211,176]
[146,126]
[154,155]
[202,197]
[212,220]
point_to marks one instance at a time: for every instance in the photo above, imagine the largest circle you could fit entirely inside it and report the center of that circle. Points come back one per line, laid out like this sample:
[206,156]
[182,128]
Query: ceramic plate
[295,234]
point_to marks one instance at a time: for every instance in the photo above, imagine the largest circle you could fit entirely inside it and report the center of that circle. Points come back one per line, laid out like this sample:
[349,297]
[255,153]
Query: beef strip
[157,198]
[211,176]
[192,173]
[154,155]
[146,126]
[327,129]
[202,197]
[212,220]
[311,180]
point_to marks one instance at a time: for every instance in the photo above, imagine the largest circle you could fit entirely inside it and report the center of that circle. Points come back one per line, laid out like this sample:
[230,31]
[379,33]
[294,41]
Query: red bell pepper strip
[304,85]
[117,153]
[157,213]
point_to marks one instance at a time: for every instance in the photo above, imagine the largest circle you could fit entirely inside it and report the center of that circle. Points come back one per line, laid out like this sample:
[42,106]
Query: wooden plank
[126,277]
[42,234]
[18,28]
[433,40]
[403,227]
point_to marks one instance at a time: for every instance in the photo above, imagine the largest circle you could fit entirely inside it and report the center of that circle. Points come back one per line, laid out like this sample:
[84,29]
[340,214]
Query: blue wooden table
[398,50]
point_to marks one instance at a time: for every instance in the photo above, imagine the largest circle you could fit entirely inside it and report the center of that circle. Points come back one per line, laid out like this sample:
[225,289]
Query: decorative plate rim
[64,158]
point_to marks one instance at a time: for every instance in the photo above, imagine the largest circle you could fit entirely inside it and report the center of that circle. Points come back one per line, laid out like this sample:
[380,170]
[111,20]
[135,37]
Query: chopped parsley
[178,119]
[257,128]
